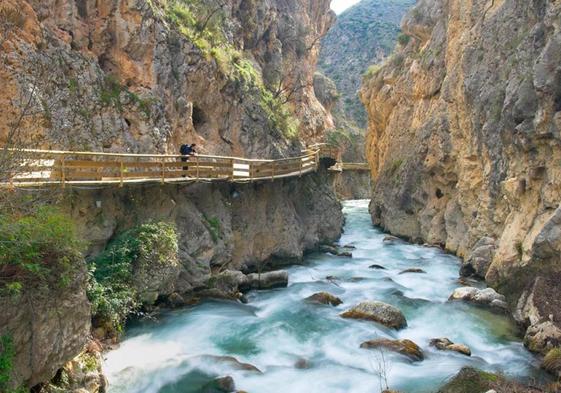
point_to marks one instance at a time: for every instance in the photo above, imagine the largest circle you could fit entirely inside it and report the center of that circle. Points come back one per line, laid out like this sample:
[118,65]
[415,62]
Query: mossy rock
[324,298]
[470,380]
[552,361]
[404,347]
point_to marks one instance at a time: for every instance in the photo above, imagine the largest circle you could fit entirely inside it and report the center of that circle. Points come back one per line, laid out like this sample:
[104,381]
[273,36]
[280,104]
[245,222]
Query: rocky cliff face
[144,76]
[464,137]
[235,77]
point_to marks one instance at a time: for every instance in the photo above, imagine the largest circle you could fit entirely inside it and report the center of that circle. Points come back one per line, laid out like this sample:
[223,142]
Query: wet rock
[220,385]
[413,270]
[552,362]
[379,267]
[486,297]
[539,308]
[230,361]
[334,250]
[405,347]
[332,278]
[269,280]
[390,240]
[471,380]
[324,298]
[229,281]
[302,364]
[379,312]
[445,344]
[175,300]
[542,336]
[478,262]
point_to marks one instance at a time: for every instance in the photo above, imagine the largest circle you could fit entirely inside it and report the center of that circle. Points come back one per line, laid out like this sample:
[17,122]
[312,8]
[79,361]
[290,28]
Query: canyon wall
[145,76]
[464,145]
[236,77]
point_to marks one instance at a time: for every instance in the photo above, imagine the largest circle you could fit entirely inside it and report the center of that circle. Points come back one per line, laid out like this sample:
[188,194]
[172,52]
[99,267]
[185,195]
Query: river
[278,330]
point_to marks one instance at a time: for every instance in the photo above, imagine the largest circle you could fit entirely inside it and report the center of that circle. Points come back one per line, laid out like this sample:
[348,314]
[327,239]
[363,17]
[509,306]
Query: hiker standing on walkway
[186,151]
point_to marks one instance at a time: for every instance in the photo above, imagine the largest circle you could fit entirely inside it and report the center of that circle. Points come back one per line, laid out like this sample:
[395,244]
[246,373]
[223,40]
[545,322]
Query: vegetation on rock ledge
[112,290]
[38,249]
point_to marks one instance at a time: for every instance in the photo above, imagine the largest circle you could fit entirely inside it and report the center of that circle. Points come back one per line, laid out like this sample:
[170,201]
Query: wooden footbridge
[39,168]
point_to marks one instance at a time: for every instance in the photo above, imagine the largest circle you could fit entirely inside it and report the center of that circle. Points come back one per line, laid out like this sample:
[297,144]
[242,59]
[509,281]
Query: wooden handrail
[45,167]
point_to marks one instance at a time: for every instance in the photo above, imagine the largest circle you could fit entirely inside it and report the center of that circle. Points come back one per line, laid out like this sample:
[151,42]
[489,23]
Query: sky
[341,5]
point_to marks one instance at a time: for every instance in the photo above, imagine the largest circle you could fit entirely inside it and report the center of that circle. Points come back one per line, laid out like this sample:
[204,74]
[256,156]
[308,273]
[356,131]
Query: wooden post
[122,172]
[273,170]
[163,168]
[301,166]
[63,172]
[197,162]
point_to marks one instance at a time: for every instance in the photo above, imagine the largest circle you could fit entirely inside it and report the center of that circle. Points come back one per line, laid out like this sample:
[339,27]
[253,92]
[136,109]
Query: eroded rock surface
[464,139]
[405,347]
[379,312]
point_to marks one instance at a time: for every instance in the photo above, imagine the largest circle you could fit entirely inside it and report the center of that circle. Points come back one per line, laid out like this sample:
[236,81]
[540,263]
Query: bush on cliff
[117,276]
[37,249]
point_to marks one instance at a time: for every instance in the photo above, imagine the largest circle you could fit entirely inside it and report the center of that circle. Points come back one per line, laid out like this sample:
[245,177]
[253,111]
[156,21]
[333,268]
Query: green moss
[111,289]
[214,228]
[7,355]
[470,380]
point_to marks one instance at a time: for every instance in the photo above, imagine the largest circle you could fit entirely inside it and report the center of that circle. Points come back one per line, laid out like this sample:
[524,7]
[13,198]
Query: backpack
[185,150]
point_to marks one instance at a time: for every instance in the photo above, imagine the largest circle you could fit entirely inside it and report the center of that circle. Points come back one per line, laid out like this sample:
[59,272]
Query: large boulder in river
[324,298]
[269,280]
[379,312]
[405,347]
[486,297]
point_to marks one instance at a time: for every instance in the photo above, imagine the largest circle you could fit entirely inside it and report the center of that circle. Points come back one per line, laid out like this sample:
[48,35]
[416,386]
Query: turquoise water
[277,329]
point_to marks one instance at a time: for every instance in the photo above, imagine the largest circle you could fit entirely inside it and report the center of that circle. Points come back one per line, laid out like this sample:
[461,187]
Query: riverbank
[289,339]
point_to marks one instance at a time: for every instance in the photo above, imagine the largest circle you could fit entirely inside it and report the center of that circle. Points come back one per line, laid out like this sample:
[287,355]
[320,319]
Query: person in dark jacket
[186,151]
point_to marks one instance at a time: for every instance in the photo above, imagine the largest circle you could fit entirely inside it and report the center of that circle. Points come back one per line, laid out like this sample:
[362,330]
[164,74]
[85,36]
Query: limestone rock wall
[265,222]
[46,327]
[127,75]
[464,138]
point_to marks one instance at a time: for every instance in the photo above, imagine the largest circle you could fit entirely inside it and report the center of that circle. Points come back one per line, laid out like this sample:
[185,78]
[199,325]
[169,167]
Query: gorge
[269,284]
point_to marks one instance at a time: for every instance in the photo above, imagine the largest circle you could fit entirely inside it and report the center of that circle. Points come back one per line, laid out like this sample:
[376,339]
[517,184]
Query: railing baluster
[122,172]
[163,168]
[63,171]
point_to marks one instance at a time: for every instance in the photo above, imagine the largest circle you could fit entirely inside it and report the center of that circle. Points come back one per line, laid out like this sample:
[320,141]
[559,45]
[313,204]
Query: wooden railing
[46,167]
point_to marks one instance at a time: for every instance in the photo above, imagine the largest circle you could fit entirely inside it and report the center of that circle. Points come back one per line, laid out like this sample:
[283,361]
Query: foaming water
[278,330]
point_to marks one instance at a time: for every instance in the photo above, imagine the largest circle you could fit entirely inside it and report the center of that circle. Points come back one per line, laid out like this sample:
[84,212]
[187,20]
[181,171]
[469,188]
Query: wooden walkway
[45,167]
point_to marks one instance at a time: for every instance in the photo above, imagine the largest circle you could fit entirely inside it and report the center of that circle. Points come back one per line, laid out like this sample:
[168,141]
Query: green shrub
[111,290]
[39,248]
[403,39]
[113,94]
